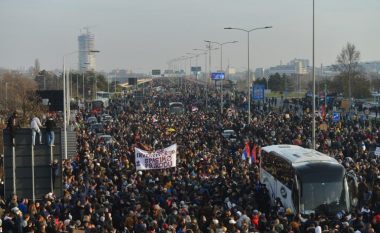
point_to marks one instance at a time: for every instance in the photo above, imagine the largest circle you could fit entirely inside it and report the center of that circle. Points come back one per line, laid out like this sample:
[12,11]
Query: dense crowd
[211,189]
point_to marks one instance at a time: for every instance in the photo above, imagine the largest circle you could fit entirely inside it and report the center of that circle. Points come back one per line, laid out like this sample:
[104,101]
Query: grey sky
[144,34]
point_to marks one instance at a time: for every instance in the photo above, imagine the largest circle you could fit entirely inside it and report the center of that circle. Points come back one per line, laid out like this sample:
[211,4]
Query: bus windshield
[322,191]
[176,107]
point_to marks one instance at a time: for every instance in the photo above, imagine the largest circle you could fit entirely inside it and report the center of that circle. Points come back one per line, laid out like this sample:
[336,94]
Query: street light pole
[83,90]
[64,109]
[221,69]
[205,69]
[66,98]
[204,53]
[248,73]
[313,114]
[108,83]
[83,86]
[249,86]
[209,72]
[6,95]
[191,57]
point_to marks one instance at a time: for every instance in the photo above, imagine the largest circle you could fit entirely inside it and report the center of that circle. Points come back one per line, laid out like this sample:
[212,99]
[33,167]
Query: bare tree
[21,96]
[347,63]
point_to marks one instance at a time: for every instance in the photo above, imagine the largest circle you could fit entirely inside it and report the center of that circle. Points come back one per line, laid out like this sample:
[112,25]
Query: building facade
[86,43]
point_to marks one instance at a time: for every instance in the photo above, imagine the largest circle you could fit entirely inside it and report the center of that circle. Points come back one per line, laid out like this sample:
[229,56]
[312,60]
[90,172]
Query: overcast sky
[141,35]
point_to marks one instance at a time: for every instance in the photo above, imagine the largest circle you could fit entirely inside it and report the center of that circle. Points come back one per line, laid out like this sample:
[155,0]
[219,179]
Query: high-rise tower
[86,43]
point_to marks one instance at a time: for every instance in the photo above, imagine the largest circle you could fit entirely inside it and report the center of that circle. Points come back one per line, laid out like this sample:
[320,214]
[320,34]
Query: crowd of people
[211,189]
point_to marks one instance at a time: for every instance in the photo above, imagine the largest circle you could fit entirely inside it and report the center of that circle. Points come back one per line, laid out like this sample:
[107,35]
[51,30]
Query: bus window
[279,168]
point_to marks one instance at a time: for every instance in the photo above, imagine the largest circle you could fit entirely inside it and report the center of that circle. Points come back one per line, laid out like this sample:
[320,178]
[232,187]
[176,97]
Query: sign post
[219,76]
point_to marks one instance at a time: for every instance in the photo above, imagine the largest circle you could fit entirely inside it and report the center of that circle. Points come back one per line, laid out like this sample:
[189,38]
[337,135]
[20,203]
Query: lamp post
[83,67]
[196,58]
[45,82]
[6,95]
[221,68]
[196,61]
[249,74]
[205,53]
[206,78]
[175,66]
[187,57]
[209,71]
[184,60]
[108,83]
[66,96]
[313,114]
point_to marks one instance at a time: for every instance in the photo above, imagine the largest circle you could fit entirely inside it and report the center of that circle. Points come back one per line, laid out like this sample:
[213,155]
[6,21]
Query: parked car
[97,128]
[92,120]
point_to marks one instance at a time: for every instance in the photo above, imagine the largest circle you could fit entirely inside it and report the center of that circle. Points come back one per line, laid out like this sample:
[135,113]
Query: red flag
[254,157]
[247,150]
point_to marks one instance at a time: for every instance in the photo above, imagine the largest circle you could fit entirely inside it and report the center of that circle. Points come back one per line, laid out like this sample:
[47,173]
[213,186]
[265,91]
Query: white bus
[306,181]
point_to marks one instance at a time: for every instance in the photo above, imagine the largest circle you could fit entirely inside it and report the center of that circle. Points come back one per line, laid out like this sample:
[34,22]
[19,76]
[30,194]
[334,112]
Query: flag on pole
[246,152]
[259,153]
[254,157]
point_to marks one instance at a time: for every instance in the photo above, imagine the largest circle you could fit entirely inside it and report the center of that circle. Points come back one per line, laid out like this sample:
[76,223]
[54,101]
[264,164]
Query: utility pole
[209,72]
[6,95]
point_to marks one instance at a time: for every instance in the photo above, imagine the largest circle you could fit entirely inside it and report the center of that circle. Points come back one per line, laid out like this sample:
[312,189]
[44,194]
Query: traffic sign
[258,92]
[336,116]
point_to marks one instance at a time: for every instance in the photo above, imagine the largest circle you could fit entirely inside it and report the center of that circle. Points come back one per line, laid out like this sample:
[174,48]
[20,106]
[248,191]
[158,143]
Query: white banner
[159,159]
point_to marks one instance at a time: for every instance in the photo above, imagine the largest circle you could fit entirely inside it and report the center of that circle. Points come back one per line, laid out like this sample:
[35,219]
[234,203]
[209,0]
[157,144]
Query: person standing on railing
[50,125]
[12,124]
[35,125]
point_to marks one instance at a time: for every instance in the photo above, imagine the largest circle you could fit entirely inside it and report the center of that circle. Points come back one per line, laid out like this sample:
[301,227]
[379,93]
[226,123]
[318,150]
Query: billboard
[52,98]
[217,76]
[195,69]
[258,92]
[156,72]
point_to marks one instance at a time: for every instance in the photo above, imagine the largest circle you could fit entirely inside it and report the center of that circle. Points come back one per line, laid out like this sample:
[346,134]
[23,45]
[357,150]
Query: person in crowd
[50,126]
[12,124]
[211,188]
[35,125]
